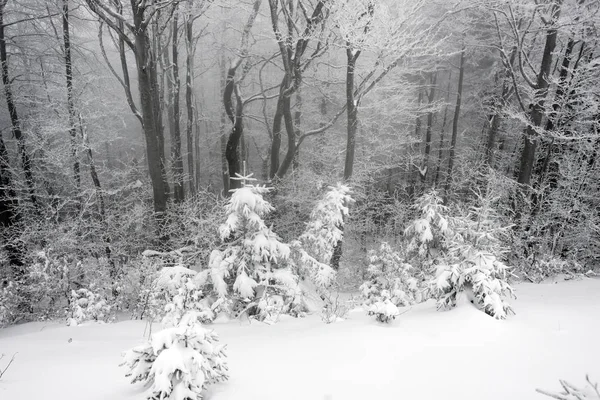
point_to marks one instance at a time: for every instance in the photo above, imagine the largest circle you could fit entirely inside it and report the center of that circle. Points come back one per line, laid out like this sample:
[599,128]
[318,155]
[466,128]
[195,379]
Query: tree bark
[537,107]
[12,112]
[443,131]
[430,99]
[9,213]
[461,76]
[149,101]
[351,111]
[178,191]
[70,101]
[189,40]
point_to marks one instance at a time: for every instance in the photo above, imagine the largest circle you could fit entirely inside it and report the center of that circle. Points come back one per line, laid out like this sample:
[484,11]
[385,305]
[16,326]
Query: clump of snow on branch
[85,305]
[252,265]
[178,362]
[390,282]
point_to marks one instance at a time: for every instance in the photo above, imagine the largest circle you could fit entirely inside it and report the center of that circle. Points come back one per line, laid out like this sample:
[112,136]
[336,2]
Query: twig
[2,371]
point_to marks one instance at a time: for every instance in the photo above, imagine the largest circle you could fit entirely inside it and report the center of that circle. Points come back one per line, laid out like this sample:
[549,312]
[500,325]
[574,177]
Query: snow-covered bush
[178,362]
[570,392]
[473,260]
[10,300]
[85,305]
[383,309]
[389,279]
[252,265]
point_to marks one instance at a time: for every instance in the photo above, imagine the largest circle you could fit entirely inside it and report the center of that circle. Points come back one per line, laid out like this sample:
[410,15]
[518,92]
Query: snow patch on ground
[424,354]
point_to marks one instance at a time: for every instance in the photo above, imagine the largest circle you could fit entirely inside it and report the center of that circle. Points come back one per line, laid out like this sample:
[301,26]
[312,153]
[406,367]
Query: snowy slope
[425,354]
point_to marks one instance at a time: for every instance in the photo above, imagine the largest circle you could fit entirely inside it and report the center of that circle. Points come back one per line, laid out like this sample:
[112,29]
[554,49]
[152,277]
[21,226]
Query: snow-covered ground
[425,354]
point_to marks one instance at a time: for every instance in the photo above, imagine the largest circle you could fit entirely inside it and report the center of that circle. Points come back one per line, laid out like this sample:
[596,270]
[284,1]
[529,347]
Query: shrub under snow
[390,284]
[178,362]
[86,305]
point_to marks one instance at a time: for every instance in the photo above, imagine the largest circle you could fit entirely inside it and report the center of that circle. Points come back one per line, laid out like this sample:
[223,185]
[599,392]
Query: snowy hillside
[424,354]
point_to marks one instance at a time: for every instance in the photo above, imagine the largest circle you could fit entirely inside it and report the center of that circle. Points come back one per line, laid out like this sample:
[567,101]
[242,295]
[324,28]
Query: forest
[195,165]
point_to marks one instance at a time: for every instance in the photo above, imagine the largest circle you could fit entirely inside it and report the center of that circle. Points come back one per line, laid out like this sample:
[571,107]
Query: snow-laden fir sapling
[252,264]
[474,261]
[179,362]
[390,282]
[314,249]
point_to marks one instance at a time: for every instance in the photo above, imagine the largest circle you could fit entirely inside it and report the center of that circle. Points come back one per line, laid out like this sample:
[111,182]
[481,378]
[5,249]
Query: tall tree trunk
[297,124]
[9,214]
[498,109]
[430,99]
[443,131]
[12,112]
[461,76]
[223,134]
[537,107]
[150,107]
[232,153]
[70,101]
[189,68]
[351,111]
[176,133]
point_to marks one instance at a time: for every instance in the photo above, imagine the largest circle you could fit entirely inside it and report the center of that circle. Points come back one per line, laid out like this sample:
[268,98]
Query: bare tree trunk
[176,133]
[351,110]
[455,122]
[232,153]
[189,41]
[12,112]
[70,102]
[9,214]
[537,107]
[443,131]
[430,99]
[153,130]
[235,113]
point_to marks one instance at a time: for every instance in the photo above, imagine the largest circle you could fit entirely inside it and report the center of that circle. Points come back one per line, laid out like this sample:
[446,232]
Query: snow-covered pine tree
[389,280]
[427,235]
[473,261]
[314,249]
[253,267]
[178,293]
[178,362]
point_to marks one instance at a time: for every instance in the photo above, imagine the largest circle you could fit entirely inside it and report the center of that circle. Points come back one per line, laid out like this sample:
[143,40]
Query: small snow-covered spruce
[85,305]
[314,249]
[474,262]
[180,294]
[253,264]
[389,278]
[178,362]
[570,392]
[427,235]
[325,228]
